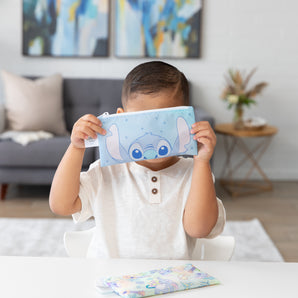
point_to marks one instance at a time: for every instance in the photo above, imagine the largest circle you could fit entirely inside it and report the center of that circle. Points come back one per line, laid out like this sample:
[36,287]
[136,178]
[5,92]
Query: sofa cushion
[44,153]
[90,96]
[33,105]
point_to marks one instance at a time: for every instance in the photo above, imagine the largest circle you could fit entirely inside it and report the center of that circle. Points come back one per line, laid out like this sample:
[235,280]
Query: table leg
[263,147]
[3,188]
[242,186]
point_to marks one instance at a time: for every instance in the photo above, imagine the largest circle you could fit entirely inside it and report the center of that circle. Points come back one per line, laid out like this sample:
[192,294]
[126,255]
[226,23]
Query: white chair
[76,243]
[221,248]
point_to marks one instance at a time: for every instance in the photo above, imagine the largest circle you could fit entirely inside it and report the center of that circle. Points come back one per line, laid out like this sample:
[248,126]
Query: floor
[277,210]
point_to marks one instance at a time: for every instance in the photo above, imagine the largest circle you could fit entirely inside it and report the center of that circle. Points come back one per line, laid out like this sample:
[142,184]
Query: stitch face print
[147,135]
[149,145]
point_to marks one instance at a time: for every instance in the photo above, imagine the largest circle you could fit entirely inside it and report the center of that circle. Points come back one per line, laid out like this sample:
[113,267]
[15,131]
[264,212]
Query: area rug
[44,237]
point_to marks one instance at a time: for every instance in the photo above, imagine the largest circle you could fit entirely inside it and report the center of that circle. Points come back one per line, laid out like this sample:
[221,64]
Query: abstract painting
[158,28]
[65,28]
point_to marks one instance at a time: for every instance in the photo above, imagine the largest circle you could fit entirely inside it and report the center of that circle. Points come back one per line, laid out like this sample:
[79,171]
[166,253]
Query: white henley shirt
[138,212]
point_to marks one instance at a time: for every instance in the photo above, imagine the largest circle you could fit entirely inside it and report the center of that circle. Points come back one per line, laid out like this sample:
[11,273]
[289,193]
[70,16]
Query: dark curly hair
[153,77]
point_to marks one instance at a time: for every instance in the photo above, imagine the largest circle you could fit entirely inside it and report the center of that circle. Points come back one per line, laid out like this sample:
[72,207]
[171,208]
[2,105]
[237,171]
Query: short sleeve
[221,220]
[89,182]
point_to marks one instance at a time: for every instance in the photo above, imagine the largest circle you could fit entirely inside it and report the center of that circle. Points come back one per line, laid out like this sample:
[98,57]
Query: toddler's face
[142,102]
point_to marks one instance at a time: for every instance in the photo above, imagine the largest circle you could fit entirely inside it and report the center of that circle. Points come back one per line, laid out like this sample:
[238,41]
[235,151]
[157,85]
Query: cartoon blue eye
[163,148]
[136,154]
[135,151]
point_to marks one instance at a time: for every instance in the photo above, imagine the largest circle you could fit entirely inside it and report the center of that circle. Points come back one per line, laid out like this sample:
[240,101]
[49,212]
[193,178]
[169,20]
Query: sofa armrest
[202,115]
[2,118]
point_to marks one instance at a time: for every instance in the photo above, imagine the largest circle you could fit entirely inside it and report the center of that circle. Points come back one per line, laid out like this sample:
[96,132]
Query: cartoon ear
[183,134]
[112,143]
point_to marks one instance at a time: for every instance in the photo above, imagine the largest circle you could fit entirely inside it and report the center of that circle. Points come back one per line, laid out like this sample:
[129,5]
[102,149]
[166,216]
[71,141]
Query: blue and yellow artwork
[158,28]
[65,27]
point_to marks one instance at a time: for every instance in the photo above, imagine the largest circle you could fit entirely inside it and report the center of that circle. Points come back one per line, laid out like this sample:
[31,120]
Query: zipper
[106,114]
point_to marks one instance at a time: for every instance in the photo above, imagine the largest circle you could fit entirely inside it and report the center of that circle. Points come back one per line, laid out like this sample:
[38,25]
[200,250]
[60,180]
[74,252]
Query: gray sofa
[36,163]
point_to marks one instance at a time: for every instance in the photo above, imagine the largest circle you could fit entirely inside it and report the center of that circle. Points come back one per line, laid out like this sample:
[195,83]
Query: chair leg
[3,191]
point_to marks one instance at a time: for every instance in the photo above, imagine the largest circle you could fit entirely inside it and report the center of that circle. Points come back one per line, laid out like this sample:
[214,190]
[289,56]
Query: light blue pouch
[149,134]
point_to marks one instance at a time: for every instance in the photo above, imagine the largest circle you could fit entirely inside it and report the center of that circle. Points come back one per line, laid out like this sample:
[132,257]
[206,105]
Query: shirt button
[154,191]
[154,179]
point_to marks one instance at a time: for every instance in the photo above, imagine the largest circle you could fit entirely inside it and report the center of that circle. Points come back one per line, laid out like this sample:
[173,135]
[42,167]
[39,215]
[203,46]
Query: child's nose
[150,154]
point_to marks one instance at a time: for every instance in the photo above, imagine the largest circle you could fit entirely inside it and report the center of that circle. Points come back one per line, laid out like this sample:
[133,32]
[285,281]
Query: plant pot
[238,117]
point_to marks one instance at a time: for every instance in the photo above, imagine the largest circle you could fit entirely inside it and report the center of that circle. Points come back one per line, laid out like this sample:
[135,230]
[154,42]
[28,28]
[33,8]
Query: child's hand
[87,126]
[206,138]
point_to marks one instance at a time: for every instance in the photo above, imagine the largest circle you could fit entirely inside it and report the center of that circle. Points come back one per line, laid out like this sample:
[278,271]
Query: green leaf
[247,101]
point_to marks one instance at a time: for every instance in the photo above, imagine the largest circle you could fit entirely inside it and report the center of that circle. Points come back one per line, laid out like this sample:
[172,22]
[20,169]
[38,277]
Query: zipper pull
[104,114]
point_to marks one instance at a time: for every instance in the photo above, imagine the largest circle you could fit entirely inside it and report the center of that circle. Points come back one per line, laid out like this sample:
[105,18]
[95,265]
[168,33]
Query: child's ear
[120,110]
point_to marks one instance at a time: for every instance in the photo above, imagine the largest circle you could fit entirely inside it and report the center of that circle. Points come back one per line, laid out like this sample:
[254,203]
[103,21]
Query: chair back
[76,243]
[220,248]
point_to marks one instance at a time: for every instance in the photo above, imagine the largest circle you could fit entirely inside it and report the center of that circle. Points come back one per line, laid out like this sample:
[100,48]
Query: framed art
[158,28]
[66,28]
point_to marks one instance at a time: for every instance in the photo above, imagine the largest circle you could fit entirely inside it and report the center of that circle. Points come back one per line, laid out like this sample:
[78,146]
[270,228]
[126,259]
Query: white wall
[235,33]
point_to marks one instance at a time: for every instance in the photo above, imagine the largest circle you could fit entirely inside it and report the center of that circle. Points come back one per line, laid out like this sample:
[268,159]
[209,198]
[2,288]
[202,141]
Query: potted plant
[236,94]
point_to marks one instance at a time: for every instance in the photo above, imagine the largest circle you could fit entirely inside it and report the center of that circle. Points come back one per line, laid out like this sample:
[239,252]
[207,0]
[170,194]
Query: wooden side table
[236,139]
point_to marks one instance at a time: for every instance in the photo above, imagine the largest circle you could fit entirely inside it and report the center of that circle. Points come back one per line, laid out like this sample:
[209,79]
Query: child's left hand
[206,138]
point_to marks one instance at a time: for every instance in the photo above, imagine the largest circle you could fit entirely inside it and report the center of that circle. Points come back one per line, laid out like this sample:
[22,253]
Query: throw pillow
[33,105]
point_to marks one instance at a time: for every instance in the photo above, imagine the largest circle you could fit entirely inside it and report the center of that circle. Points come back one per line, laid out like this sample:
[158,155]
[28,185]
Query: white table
[25,277]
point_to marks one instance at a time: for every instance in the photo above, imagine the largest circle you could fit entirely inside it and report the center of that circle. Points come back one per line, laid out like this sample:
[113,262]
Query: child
[150,208]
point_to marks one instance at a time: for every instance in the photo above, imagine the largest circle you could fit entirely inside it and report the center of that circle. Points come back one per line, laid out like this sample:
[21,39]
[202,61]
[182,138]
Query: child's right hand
[87,126]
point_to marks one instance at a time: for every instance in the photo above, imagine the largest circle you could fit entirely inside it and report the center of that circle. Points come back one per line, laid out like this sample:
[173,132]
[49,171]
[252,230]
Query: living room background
[238,34]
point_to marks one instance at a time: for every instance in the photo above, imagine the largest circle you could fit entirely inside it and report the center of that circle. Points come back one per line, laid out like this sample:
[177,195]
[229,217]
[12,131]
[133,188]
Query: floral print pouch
[155,282]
